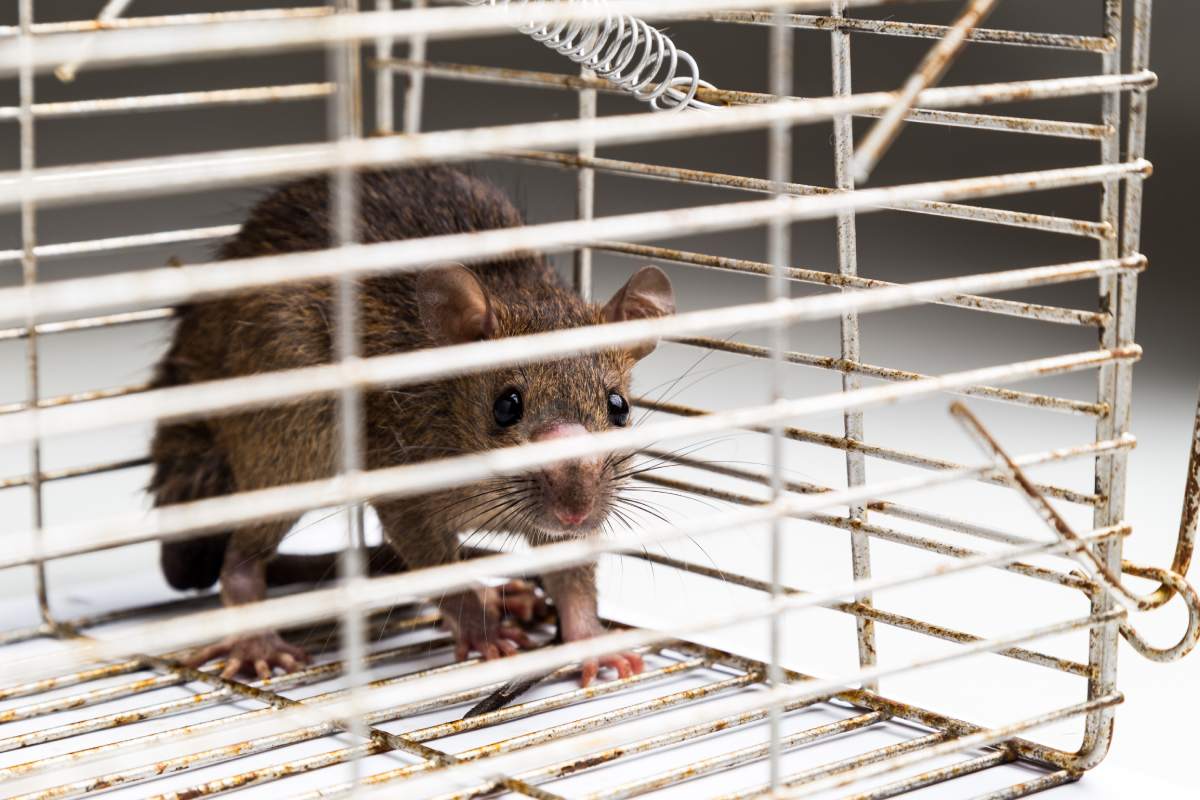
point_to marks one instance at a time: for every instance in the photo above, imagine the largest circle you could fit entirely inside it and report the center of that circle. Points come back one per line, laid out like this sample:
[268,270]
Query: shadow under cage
[948,627]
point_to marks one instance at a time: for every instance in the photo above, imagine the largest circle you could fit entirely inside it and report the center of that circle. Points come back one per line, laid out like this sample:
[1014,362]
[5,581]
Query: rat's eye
[508,408]
[618,410]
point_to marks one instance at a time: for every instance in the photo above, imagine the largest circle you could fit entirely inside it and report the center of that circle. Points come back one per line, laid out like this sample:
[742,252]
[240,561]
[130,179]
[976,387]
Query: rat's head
[543,401]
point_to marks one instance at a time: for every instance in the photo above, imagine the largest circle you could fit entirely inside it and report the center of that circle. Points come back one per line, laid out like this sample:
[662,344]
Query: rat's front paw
[476,618]
[626,665]
[584,626]
[518,599]
[252,654]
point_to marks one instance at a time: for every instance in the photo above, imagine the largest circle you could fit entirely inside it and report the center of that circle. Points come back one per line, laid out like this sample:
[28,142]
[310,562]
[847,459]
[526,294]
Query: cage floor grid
[120,708]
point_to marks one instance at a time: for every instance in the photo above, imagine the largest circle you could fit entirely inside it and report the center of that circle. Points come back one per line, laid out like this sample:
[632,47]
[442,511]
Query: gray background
[893,246]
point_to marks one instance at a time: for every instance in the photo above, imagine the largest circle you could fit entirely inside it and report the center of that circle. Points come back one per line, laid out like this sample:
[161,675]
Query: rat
[290,326]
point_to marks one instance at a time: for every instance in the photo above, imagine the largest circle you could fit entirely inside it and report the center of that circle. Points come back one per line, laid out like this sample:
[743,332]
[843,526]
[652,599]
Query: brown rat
[290,326]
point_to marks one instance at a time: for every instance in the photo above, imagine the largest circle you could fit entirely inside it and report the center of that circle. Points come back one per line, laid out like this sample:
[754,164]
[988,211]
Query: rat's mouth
[565,522]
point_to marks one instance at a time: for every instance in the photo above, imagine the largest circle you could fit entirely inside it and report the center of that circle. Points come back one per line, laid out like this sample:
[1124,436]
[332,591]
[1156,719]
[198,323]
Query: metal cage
[98,703]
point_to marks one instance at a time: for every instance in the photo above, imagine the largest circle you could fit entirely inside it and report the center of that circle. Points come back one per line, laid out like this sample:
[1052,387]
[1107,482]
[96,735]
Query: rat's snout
[569,488]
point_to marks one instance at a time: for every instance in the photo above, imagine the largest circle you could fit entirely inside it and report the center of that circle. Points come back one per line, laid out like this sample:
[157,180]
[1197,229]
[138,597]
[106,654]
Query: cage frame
[1116,268]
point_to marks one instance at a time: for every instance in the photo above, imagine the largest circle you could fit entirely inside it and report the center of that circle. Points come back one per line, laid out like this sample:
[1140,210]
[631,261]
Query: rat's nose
[570,518]
[558,430]
[571,486]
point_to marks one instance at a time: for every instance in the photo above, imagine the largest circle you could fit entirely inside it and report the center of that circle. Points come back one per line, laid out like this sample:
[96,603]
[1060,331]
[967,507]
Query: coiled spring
[624,50]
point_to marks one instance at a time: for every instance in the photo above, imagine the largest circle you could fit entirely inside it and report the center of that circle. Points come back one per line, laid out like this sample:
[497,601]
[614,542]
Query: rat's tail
[188,465]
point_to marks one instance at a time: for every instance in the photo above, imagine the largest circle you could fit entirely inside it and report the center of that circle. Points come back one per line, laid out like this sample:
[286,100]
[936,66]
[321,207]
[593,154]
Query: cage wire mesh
[829,634]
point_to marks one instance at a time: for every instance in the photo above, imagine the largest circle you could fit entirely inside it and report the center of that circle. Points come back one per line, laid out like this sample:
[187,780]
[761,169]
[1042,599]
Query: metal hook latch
[1171,581]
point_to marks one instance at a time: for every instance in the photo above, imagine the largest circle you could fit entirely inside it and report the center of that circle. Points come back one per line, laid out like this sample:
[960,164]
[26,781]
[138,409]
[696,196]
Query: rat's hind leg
[244,580]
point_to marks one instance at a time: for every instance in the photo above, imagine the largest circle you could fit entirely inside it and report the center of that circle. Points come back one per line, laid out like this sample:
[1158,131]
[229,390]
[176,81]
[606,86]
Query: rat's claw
[626,665]
[256,654]
[493,643]
[476,619]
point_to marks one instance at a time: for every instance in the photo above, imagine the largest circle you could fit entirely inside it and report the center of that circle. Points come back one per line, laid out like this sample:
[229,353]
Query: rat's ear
[454,307]
[646,295]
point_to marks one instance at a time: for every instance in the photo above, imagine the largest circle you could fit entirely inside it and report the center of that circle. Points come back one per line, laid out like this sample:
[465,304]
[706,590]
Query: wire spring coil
[610,48]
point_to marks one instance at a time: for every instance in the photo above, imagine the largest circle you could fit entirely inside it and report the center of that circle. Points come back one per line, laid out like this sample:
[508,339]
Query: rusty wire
[727,691]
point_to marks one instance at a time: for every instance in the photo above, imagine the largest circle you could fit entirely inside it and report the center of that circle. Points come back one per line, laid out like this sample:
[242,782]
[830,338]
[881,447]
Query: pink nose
[570,518]
[570,487]
[559,430]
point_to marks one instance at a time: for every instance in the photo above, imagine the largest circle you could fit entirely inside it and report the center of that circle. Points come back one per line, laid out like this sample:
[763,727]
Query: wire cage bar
[102,702]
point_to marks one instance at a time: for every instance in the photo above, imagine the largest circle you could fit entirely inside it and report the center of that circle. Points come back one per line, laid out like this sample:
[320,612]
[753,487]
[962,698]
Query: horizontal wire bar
[895,536]
[736,758]
[1036,754]
[57,680]
[888,507]
[106,694]
[930,518]
[804,21]
[91,323]
[225,753]
[241,393]
[417,478]
[846,764]
[75,398]
[178,100]
[888,374]
[870,612]
[915,459]
[929,72]
[78,623]
[303,677]
[482,751]
[514,763]
[278,719]
[280,613]
[812,437]
[380,740]
[806,786]
[75,472]
[1043,313]
[997,216]
[662,741]
[1059,778]
[894,757]
[191,172]
[125,242]
[563,82]
[917,30]
[248,35]
[88,25]
[933,777]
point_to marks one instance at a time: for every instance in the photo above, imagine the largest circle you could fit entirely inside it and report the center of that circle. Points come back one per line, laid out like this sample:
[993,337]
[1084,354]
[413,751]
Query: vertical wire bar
[345,125]
[1131,224]
[779,232]
[29,276]
[1102,646]
[856,463]
[414,95]
[385,100]
[585,190]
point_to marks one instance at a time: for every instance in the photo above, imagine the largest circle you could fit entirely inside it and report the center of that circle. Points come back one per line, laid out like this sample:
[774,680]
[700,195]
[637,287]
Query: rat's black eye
[508,408]
[618,410]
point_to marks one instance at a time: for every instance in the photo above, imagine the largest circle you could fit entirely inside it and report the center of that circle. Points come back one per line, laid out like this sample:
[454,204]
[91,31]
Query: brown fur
[290,326]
